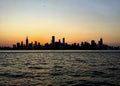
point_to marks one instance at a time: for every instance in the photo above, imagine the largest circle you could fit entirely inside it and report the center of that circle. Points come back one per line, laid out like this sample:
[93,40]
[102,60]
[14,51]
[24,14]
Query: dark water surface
[60,68]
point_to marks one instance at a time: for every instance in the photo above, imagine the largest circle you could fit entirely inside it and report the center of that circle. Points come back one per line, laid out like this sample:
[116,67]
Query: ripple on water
[113,69]
[38,67]
[14,75]
[92,83]
[59,69]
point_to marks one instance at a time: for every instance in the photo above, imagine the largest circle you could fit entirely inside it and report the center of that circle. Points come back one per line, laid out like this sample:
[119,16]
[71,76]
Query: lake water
[60,68]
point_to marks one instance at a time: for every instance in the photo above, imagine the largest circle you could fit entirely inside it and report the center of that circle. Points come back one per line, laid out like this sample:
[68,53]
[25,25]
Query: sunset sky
[76,20]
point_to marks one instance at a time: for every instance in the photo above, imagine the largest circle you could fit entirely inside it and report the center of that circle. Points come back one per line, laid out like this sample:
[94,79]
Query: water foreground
[60,68]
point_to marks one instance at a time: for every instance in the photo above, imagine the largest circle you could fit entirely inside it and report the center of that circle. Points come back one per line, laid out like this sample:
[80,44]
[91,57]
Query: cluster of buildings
[37,46]
[60,45]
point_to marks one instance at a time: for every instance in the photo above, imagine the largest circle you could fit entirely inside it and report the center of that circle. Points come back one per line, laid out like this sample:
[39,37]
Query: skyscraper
[93,44]
[100,43]
[18,45]
[21,45]
[53,39]
[27,41]
[63,40]
[59,41]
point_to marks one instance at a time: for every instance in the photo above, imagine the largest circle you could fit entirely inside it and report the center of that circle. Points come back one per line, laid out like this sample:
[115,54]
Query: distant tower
[100,43]
[59,41]
[27,41]
[63,40]
[21,44]
[93,44]
[53,39]
[101,40]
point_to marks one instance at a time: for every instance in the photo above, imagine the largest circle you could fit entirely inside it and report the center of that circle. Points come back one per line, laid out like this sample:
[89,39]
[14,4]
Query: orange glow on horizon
[47,39]
[76,20]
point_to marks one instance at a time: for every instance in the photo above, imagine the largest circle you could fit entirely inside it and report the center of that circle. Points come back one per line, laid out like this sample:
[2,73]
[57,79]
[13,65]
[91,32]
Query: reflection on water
[63,68]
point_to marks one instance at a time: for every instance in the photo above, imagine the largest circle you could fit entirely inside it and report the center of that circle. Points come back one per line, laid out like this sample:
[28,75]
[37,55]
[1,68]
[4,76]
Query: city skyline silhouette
[60,45]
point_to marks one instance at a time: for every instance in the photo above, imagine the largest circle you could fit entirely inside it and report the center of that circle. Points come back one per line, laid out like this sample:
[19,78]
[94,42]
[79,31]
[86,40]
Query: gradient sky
[76,20]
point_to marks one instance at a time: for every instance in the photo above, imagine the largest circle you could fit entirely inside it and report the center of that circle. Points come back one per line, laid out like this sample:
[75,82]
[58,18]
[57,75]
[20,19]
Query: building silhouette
[93,45]
[100,44]
[22,46]
[63,40]
[27,42]
[53,39]
[60,45]
[18,45]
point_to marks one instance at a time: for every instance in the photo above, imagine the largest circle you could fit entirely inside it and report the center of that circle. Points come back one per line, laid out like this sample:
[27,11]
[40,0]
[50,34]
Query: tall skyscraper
[101,40]
[100,43]
[21,44]
[27,41]
[63,40]
[93,44]
[53,39]
[18,45]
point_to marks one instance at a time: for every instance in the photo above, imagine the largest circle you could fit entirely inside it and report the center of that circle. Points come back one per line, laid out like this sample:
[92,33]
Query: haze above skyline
[76,20]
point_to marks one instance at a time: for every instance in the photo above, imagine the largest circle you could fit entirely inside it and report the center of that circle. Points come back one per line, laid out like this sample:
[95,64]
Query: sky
[76,20]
